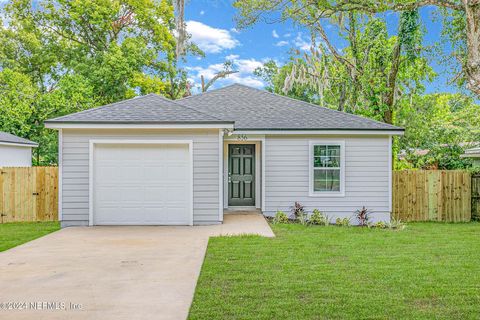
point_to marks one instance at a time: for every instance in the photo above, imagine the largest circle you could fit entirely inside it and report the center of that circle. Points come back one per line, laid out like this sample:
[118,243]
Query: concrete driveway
[111,272]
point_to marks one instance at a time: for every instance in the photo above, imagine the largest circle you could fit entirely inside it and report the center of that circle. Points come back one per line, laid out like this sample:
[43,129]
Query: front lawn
[427,271]
[16,233]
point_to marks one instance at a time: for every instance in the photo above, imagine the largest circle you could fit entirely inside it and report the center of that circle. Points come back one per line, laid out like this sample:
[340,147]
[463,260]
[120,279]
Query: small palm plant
[363,215]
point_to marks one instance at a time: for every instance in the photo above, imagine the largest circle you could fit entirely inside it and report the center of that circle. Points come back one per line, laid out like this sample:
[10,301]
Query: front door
[241,175]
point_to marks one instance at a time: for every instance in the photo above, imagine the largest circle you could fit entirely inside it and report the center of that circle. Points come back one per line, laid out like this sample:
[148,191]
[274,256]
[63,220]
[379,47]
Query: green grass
[16,233]
[427,271]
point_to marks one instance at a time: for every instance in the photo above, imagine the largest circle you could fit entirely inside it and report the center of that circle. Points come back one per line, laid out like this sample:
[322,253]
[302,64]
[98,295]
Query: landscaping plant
[396,224]
[280,217]
[345,222]
[362,216]
[299,213]
[380,225]
[318,218]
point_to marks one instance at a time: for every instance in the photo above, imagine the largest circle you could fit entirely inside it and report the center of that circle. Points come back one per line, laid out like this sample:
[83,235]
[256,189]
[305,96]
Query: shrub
[319,218]
[298,210]
[363,215]
[380,225]
[396,224]
[280,217]
[345,222]
[299,213]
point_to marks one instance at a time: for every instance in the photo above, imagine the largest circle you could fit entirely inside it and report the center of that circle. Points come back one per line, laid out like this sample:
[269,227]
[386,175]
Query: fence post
[475,204]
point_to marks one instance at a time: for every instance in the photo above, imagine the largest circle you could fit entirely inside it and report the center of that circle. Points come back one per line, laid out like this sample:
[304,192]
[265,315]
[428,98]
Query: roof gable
[8,138]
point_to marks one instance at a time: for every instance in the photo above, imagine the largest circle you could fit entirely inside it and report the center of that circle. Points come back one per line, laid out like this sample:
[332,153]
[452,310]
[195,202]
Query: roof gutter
[140,125]
[19,144]
[383,132]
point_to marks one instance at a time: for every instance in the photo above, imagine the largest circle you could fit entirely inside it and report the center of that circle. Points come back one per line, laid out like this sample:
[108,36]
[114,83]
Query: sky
[212,26]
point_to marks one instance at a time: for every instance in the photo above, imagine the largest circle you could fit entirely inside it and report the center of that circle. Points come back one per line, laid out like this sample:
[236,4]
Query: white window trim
[311,145]
[91,148]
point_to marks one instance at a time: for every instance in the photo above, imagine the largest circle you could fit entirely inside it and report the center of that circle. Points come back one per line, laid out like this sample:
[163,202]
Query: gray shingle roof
[6,137]
[258,109]
[150,108]
[246,107]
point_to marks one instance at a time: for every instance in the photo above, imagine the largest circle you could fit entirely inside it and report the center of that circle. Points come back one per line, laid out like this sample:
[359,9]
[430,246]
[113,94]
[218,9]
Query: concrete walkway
[112,272]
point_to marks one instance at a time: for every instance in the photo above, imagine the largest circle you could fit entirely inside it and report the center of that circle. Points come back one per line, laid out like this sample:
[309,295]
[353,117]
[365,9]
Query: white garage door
[142,184]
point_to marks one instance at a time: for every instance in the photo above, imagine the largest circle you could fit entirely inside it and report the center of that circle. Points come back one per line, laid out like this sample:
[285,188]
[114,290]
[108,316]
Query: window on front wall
[327,168]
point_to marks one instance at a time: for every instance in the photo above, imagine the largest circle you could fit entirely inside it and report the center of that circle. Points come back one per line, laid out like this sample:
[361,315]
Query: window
[326,168]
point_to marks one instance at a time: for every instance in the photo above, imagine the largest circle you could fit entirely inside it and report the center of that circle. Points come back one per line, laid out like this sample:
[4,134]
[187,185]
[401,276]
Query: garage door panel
[174,153]
[176,193]
[109,214]
[154,214]
[128,173]
[156,173]
[177,173]
[107,173]
[130,214]
[174,213]
[106,194]
[131,194]
[155,194]
[142,184]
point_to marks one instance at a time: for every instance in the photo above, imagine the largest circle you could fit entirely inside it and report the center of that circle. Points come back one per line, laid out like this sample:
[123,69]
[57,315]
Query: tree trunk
[472,13]
[389,98]
[342,98]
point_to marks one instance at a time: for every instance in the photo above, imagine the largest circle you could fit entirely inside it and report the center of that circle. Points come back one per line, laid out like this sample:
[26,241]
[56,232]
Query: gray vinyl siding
[366,176]
[75,180]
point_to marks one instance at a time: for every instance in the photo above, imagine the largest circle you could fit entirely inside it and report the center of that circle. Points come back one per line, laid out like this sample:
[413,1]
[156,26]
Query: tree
[312,13]
[444,125]
[367,77]
[17,98]
[63,56]
[274,76]
[227,70]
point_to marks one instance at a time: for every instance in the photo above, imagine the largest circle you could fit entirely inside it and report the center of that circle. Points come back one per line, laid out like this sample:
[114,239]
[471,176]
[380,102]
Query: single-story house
[474,154]
[153,161]
[15,151]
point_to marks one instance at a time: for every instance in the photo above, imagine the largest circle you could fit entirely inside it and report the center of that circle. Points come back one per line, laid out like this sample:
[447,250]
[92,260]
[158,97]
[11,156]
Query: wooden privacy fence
[28,194]
[422,195]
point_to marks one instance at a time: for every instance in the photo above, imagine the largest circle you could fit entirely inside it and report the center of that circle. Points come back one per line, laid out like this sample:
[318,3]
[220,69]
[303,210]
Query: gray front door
[241,175]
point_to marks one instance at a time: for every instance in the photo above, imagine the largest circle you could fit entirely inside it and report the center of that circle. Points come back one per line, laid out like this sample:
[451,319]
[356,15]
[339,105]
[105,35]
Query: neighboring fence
[28,194]
[422,195]
[476,197]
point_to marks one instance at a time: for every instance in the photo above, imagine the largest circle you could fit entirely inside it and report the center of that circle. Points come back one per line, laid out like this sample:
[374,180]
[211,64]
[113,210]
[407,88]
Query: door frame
[91,151]
[258,175]
[240,203]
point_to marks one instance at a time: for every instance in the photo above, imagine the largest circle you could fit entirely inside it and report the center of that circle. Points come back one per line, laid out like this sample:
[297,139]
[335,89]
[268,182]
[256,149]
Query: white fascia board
[18,144]
[136,126]
[321,132]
